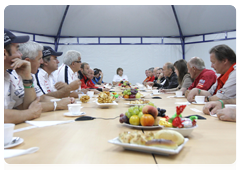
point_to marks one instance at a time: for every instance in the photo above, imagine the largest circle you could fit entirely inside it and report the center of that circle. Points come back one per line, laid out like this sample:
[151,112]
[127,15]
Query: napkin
[47,123]
[170,96]
[8,153]
[213,115]
[25,128]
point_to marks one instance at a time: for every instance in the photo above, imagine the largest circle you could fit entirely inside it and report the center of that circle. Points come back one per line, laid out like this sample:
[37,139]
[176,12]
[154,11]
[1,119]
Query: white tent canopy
[112,36]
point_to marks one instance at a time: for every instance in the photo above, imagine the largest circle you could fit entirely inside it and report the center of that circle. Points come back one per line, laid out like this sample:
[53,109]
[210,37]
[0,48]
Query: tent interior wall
[136,52]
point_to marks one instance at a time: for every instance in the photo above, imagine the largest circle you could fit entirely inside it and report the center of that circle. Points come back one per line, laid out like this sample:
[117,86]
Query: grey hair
[151,69]
[71,56]
[197,62]
[30,49]
[170,66]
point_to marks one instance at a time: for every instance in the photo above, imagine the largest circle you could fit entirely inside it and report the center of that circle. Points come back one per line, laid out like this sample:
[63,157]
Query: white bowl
[183,131]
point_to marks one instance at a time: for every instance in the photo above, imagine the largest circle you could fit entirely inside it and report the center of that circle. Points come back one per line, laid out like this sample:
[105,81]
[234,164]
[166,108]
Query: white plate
[198,103]
[143,127]
[107,104]
[70,114]
[148,149]
[183,131]
[134,104]
[15,144]
[156,94]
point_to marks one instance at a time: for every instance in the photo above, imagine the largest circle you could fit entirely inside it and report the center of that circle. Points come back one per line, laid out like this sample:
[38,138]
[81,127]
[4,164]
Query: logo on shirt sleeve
[201,83]
[221,91]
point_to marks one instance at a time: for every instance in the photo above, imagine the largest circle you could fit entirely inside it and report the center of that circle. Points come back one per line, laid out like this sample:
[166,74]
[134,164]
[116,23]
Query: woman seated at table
[119,77]
[184,78]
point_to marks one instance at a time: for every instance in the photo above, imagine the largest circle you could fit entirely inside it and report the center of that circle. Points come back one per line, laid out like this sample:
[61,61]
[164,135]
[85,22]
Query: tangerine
[126,96]
[147,120]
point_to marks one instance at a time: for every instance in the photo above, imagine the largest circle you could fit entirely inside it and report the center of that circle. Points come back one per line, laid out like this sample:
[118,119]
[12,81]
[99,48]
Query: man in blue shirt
[98,76]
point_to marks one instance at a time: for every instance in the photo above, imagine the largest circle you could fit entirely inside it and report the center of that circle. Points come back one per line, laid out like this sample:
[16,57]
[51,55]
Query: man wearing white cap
[47,81]
[29,107]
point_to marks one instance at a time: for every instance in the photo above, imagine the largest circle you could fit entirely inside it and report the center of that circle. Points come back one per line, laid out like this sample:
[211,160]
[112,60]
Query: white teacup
[155,91]
[200,99]
[233,106]
[8,132]
[74,108]
[90,94]
[178,93]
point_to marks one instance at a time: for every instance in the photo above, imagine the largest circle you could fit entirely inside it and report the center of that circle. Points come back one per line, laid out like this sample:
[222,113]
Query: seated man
[47,81]
[68,71]
[98,77]
[146,73]
[223,60]
[159,78]
[151,77]
[203,78]
[86,80]
[32,52]
[29,108]
[171,77]
[217,107]
[91,85]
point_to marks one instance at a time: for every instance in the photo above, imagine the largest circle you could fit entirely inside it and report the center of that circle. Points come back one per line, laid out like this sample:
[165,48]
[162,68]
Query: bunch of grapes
[161,112]
[127,91]
[123,118]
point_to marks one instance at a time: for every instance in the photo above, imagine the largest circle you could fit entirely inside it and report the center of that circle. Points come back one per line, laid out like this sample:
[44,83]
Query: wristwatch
[28,81]
[208,98]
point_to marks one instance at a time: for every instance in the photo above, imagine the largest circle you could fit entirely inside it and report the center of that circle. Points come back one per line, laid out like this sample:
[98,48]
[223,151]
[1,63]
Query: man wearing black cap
[29,107]
[47,81]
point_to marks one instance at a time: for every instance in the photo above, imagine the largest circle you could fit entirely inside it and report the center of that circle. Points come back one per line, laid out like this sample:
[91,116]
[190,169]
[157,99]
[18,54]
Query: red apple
[132,96]
[150,110]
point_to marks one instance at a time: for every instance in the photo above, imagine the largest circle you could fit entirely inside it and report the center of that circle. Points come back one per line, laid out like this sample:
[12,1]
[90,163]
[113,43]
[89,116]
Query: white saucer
[199,103]
[14,144]
[70,114]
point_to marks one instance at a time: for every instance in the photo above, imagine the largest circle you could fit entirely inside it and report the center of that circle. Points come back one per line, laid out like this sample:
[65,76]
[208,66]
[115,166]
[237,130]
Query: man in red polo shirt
[203,78]
[151,77]
[223,60]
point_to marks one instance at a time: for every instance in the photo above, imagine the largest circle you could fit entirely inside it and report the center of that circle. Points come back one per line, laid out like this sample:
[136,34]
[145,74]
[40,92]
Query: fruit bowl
[143,127]
[183,131]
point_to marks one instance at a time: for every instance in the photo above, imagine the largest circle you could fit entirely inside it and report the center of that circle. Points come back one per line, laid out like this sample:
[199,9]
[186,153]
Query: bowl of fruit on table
[132,94]
[143,117]
[124,84]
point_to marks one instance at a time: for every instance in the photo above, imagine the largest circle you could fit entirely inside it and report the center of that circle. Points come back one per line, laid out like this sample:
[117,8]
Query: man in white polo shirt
[68,71]
[28,108]
[47,81]
[32,52]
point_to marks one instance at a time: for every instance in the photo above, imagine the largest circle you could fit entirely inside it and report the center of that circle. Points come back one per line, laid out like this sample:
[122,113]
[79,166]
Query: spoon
[16,139]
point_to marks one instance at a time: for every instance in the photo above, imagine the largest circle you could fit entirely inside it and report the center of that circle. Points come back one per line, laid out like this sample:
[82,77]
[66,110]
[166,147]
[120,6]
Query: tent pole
[180,32]
[57,38]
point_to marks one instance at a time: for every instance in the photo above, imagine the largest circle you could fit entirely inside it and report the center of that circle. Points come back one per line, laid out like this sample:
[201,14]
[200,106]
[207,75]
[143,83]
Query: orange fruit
[126,96]
[147,120]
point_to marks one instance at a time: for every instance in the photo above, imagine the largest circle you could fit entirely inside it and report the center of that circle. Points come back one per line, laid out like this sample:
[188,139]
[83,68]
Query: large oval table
[86,142]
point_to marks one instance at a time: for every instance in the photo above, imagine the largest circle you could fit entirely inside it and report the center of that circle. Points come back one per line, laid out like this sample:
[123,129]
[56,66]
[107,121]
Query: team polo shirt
[204,80]
[151,79]
[228,90]
[95,80]
[66,75]
[9,89]
[118,78]
[18,92]
[45,82]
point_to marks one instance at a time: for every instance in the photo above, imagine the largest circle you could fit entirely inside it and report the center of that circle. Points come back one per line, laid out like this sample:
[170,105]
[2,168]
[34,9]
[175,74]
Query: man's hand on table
[35,108]
[227,114]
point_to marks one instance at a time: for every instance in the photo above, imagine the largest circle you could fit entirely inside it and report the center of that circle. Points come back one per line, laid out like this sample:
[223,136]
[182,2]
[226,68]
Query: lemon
[134,120]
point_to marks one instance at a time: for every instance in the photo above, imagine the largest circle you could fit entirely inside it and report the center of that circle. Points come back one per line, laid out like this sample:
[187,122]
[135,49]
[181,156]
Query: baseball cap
[11,38]
[47,51]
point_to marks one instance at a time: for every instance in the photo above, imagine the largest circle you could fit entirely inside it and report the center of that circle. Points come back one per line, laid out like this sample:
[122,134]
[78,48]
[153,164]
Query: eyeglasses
[77,61]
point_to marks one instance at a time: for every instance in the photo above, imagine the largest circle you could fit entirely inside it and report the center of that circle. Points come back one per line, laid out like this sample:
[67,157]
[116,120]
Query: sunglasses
[77,61]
